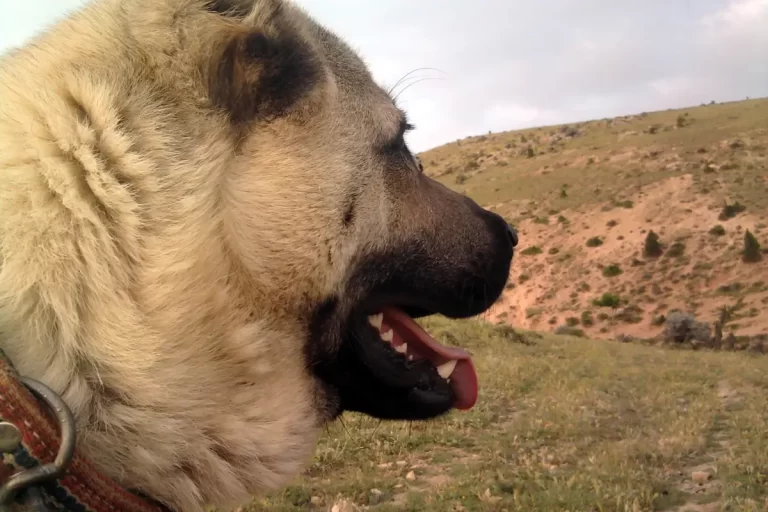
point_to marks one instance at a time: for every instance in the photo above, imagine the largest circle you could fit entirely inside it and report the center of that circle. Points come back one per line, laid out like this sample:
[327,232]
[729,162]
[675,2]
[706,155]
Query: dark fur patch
[232,8]
[260,77]
[349,212]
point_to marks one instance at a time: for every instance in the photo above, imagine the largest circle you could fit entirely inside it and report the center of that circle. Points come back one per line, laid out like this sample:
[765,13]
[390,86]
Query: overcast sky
[506,64]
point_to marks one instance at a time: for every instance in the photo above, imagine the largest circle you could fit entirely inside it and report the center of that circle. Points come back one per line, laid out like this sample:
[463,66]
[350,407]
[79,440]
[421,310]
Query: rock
[316,501]
[410,476]
[385,465]
[700,476]
[401,463]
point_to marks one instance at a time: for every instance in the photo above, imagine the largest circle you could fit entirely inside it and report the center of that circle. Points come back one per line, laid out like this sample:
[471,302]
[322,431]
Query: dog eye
[398,144]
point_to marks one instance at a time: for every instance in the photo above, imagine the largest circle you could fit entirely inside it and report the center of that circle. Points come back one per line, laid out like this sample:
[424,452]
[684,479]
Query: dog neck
[32,440]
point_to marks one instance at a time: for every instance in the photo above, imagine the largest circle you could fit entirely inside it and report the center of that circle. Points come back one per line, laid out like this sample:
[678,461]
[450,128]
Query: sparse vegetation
[717,230]
[751,252]
[652,247]
[531,251]
[608,300]
[595,241]
[730,211]
[612,270]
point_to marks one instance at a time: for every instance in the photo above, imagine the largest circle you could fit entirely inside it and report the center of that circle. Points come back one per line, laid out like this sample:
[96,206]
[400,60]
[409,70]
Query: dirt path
[700,482]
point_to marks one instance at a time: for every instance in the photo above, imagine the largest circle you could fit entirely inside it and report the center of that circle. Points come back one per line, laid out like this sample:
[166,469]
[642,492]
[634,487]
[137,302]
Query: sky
[496,65]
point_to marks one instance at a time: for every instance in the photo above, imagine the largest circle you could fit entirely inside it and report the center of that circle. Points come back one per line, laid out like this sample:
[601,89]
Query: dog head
[227,207]
[326,195]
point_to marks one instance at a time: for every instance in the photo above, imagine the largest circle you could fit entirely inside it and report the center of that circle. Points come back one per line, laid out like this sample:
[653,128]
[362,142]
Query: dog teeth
[375,320]
[387,336]
[446,369]
[402,348]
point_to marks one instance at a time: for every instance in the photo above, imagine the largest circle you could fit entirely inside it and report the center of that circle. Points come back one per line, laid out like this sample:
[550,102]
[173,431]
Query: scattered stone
[316,501]
[410,476]
[700,476]
[401,463]
[376,492]
[385,465]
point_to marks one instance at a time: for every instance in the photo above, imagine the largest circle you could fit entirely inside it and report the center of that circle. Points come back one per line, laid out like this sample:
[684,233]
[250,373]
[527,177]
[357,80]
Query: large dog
[210,228]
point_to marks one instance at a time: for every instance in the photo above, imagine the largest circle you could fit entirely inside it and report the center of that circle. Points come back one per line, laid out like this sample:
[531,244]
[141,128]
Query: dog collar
[41,469]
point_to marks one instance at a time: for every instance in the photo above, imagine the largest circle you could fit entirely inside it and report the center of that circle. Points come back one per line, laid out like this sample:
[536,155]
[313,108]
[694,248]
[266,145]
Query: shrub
[523,278]
[676,250]
[729,211]
[612,271]
[751,252]
[529,153]
[717,230]
[612,223]
[586,319]
[532,250]
[553,251]
[565,330]
[608,300]
[625,204]
[631,315]
[653,247]
[658,320]
[683,328]
[595,241]
[461,178]
[562,220]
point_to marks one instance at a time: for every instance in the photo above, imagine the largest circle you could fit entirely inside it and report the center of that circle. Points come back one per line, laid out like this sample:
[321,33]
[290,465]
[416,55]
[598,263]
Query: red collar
[80,487]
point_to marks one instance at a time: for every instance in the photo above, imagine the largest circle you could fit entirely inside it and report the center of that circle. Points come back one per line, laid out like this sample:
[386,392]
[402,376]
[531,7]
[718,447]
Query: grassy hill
[584,197]
[578,423]
[561,424]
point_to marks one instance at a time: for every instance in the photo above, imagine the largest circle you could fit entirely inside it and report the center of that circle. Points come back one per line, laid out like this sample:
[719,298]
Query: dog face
[376,241]
[213,198]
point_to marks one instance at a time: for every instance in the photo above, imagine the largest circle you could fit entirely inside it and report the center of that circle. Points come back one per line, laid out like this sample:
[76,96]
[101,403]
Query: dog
[214,240]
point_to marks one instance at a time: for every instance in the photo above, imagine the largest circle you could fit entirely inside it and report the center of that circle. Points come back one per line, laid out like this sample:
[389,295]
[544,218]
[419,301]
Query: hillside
[584,197]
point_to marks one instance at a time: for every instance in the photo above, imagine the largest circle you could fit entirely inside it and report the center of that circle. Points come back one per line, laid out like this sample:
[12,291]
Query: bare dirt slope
[584,197]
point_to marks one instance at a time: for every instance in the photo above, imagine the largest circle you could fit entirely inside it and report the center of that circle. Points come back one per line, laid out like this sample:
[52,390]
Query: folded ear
[264,65]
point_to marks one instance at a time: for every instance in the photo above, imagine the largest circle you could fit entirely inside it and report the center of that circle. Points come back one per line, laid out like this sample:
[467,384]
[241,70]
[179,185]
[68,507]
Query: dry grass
[562,424]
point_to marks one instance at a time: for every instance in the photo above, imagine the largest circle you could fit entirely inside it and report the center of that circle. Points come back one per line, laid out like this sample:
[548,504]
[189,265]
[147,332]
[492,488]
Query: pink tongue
[463,379]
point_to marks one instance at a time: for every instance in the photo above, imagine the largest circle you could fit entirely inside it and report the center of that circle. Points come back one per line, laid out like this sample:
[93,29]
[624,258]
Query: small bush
[658,320]
[608,300]
[553,251]
[683,328]
[529,152]
[653,247]
[751,252]
[531,251]
[625,204]
[717,230]
[565,330]
[676,250]
[595,241]
[562,220]
[612,271]
[586,319]
[461,178]
[523,278]
[612,223]
[572,321]
[729,211]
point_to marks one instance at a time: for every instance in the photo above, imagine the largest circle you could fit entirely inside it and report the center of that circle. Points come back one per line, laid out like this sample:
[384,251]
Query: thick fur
[183,183]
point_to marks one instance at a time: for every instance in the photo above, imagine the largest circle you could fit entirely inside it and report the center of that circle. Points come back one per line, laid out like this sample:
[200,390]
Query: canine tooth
[387,336]
[446,369]
[402,348]
[375,320]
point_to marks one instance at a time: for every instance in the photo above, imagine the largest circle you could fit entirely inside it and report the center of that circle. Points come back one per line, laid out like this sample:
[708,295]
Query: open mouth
[389,367]
[408,339]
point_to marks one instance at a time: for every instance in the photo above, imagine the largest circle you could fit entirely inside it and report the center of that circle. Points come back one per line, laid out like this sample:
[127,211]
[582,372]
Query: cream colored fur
[156,265]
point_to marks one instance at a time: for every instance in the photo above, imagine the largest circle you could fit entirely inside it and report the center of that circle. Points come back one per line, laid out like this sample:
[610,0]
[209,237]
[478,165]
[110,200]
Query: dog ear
[264,66]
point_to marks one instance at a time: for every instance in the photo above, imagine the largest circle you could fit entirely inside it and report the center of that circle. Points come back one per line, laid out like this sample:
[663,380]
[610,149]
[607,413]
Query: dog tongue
[463,379]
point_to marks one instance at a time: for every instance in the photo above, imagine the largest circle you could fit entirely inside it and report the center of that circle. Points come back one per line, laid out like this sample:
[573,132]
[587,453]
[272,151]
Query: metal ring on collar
[54,470]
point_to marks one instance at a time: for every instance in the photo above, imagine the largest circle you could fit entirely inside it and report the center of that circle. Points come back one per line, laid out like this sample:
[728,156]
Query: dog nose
[512,233]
